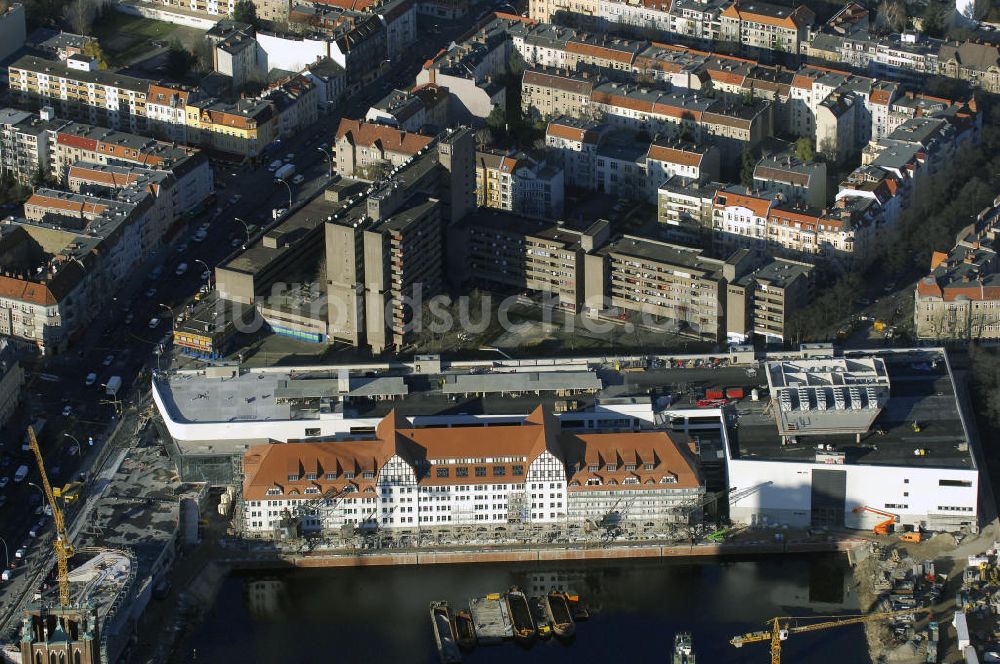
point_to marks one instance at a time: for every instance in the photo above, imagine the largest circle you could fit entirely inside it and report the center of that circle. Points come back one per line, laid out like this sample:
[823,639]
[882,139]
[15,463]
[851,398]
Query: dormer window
[311,489]
[648,466]
[668,479]
[293,477]
[368,475]
[593,482]
[592,469]
[310,476]
[630,467]
[630,480]
[331,476]
[612,467]
[349,475]
[274,491]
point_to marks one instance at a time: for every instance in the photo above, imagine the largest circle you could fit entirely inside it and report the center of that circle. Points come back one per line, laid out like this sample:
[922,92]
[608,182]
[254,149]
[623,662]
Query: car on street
[235,243]
[206,275]
[108,360]
[289,157]
[151,292]
[67,411]
[235,199]
[182,247]
[298,179]
[200,236]
[21,552]
[4,481]
[36,529]
[181,269]
[91,379]
[154,323]
[129,318]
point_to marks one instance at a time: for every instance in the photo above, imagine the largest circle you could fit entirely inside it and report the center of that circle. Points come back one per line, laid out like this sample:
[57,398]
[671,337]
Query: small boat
[540,615]
[559,614]
[444,633]
[465,630]
[683,648]
[520,617]
[577,607]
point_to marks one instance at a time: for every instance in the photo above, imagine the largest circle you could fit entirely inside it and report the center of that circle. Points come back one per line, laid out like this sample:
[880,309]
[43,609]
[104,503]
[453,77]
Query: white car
[67,411]
[108,360]
[298,179]
[154,323]
[181,269]
[91,379]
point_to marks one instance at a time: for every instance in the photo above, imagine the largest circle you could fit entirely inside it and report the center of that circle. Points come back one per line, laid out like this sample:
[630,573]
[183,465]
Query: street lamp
[207,269]
[6,556]
[246,227]
[171,312]
[494,349]
[282,181]
[40,490]
[79,448]
[329,157]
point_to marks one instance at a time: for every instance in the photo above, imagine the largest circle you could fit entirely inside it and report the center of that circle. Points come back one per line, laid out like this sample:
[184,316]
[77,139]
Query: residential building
[207,330]
[243,128]
[471,71]
[685,206]
[575,142]
[793,178]
[763,301]
[411,110]
[504,250]
[330,80]
[296,102]
[166,111]
[24,143]
[12,29]
[410,477]
[974,62]
[238,57]
[78,90]
[519,183]
[367,150]
[765,26]
[960,298]
[11,382]
[675,287]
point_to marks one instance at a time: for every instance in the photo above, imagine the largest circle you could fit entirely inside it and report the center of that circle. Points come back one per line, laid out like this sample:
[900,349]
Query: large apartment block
[763,301]
[520,183]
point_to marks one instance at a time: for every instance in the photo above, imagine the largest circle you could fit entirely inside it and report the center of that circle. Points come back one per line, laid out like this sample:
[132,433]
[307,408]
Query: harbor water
[379,615]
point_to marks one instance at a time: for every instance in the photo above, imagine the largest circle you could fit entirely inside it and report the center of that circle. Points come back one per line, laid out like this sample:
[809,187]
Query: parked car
[129,318]
[235,243]
[91,379]
[298,179]
[67,411]
[108,360]
[290,156]
[181,269]
[182,247]
[206,275]
[4,481]
[235,199]
[151,293]
[154,323]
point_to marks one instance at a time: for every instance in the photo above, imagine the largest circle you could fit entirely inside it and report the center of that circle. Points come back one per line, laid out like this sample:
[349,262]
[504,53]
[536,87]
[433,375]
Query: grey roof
[549,381]
[99,77]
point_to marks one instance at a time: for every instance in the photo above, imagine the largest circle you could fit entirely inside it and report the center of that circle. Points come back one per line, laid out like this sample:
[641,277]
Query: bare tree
[892,15]
[80,15]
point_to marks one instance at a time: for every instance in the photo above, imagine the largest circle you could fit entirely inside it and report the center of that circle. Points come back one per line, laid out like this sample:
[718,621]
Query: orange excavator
[883,527]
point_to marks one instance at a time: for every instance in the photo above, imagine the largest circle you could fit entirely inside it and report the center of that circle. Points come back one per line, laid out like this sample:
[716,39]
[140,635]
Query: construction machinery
[61,544]
[883,527]
[780,628]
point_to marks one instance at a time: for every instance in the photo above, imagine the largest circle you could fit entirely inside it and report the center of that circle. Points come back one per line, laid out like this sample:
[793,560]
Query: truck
[37,426]
[22,472]
[285,172]
[114,384]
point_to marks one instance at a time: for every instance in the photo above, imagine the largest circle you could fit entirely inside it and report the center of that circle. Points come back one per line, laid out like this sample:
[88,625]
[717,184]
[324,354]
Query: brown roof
[389,138]
[759,206]
[675,155]
[98,175]
[800,16]
[560,82]
[26,291]
[77,207]
[596,51]
[651,457]
[571,133]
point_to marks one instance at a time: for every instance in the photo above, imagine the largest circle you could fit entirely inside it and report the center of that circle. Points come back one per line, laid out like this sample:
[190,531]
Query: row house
[471,71]
[411,110]
[648,16]
[491,476]
[960,297]
[243,128]
[519,183]
[793,178]
[575,142]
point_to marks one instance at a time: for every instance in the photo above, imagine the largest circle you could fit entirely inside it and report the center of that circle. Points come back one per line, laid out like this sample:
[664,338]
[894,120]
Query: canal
[379,615]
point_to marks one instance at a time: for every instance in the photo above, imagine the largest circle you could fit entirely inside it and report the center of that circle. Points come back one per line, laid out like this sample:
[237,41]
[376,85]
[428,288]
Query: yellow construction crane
[782,627]
[64,550]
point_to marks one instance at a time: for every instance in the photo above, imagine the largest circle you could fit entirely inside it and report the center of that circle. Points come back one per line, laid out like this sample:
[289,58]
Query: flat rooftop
[921,390]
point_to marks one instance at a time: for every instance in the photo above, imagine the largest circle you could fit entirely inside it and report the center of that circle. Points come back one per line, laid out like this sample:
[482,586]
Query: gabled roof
[388,138]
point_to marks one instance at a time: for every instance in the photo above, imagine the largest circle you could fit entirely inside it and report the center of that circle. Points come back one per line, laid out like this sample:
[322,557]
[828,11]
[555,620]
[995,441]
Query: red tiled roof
[391,139]
[759,206]
[26,291]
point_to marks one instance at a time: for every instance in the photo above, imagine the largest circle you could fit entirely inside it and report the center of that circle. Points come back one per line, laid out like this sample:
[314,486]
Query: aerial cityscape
[499,331]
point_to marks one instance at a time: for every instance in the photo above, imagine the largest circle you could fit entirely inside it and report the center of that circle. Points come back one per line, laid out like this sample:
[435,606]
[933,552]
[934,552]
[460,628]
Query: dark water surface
[379,615]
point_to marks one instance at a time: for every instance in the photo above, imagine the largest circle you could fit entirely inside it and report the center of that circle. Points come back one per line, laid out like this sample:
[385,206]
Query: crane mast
[62,546]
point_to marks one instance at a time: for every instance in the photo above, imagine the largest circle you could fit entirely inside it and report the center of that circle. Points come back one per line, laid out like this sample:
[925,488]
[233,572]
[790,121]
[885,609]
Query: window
[348,474]
[312,431]
[499,471]
[896,506]
[462,471]
[274,491]
[517,470]
[629,467]
[480,471]
[648,466]
[331,476]
[592,469]
[612,467]
[441,472]
[310,476]
[962,483]
[293,477]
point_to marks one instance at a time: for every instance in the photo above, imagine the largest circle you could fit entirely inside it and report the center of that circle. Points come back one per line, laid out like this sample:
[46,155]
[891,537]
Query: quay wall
[431,557]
